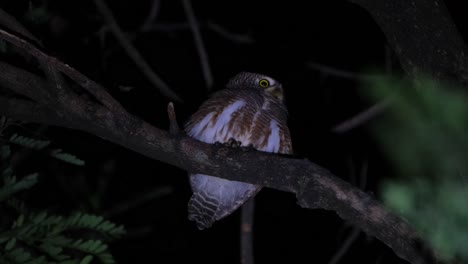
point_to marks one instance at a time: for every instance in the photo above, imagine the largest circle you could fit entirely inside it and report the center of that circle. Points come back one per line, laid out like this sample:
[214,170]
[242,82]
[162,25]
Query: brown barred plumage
[247,112]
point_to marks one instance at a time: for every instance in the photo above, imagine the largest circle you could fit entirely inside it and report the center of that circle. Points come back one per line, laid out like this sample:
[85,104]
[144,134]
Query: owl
[251,111]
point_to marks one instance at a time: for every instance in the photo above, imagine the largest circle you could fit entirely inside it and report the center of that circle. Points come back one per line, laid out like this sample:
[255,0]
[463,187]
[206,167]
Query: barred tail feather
[215,198]
[202,209]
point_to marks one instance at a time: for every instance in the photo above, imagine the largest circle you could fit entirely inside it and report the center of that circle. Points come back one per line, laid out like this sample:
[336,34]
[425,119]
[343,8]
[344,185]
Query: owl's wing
[246,120]
[214,198]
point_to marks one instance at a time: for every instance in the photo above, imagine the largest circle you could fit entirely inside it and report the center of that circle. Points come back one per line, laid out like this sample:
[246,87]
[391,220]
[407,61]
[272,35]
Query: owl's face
[260,82]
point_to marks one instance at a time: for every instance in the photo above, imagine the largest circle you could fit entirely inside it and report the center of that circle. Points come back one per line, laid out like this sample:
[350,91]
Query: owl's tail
[215,198]
[203,209]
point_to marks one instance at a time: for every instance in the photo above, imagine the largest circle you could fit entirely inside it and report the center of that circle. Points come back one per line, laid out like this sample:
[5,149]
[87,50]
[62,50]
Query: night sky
[279,39]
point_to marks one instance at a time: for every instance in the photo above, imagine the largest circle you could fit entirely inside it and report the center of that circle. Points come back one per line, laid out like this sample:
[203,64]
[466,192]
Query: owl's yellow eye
[264,83]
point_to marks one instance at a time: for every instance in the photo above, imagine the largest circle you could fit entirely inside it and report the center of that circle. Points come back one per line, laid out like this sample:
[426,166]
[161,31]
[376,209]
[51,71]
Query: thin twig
[92,87]
[133,53]
[204,61]
[10,22]
[353,236]
[241,38]
[173,126]
[153,13]
[341,73]
[362,117]
[234,37]
[345,246]
[246,232]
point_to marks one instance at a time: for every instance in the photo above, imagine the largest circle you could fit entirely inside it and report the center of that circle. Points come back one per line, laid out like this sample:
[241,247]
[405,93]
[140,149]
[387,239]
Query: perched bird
[251,111]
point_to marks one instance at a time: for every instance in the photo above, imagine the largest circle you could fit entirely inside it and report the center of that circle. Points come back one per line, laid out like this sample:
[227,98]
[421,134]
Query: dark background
[283,38]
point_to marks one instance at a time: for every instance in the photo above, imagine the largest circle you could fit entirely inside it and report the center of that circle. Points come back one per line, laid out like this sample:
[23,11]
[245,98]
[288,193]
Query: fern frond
[18,255]
[49,234]
[41,237]
[94,222]
[87,259]
[67,157]
[13,186]
[28,142]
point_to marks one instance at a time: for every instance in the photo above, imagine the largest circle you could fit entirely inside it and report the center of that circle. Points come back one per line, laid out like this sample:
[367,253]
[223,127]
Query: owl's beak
[276,91]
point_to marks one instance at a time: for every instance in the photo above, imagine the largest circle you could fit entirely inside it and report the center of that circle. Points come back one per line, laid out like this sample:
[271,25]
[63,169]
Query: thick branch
[314,186]
[423,35]
[29,111]
[23,82]
[92,87]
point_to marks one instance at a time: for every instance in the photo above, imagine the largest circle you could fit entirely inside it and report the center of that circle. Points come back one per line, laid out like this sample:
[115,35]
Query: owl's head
[260,82]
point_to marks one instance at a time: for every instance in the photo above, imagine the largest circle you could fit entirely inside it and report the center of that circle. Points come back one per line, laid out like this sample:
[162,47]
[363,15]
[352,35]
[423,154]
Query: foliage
[43,237]
[424,135]
[37,144]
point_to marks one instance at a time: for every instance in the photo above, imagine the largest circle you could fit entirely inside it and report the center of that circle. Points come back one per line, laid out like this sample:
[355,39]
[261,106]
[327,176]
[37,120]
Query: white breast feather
[215,130]
[198,128]
[274,138]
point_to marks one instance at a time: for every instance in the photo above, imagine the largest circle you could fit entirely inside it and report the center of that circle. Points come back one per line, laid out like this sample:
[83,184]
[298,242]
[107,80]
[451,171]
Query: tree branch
[31,86]
[315,187]
[195,28]
[246,232]
[29,111]
[92,87]
[362,117]
[441,53]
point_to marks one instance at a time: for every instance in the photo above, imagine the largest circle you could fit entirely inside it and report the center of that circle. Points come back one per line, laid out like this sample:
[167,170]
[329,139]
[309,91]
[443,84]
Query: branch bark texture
[423,35]
[314,186]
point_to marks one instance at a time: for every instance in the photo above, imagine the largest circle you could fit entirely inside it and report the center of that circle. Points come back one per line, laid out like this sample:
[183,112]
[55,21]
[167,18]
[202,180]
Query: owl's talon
[232,143]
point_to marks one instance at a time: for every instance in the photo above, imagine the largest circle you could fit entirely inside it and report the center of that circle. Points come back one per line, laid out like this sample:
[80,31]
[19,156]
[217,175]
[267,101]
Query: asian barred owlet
[249,110]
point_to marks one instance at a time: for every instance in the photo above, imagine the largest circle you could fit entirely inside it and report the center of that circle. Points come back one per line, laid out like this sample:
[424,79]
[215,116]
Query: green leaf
[29,142]
[424,135]
[69,158]
[87,259]
[19,221]
[12,187]
[10,244]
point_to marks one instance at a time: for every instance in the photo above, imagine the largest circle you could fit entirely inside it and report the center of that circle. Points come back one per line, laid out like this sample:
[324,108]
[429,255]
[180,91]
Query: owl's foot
[232,143]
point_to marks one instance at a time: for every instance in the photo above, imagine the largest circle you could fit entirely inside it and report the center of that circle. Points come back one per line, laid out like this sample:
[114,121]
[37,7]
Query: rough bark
[314,186]
[423,36]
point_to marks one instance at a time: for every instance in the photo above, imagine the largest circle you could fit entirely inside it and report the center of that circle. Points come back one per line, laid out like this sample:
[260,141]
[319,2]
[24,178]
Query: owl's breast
[241,121]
